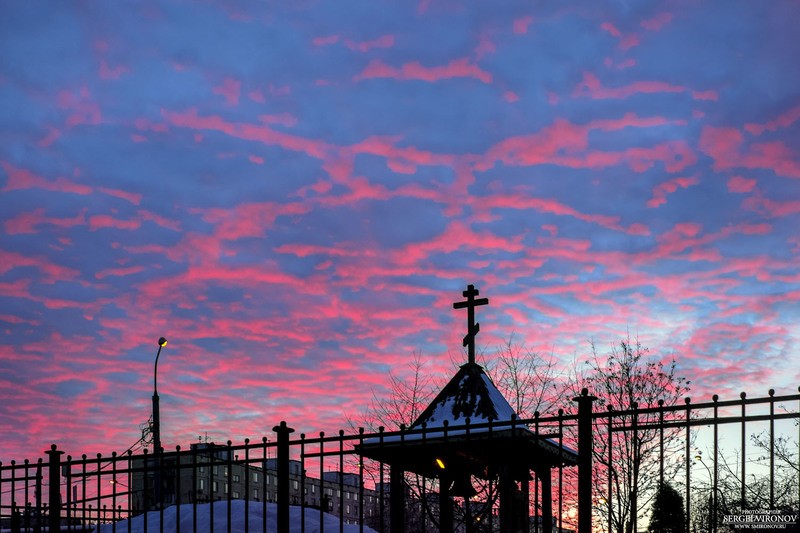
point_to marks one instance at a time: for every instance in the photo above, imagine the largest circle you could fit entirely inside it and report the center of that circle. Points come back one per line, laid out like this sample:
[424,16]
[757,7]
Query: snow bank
[256,520]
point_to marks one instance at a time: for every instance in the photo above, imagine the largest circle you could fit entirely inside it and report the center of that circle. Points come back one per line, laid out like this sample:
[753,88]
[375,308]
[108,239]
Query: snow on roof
[470,394]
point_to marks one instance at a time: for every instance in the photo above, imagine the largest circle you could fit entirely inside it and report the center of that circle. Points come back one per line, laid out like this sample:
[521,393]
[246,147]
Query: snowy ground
[312,525]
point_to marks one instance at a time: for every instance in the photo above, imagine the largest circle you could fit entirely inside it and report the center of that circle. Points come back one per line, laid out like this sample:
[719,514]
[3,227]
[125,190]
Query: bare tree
[760,491]
[530,381]
[405,401]
[624,380]
[407,397]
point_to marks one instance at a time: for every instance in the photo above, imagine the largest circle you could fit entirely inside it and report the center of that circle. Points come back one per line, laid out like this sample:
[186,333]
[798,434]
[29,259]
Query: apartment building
[212,473]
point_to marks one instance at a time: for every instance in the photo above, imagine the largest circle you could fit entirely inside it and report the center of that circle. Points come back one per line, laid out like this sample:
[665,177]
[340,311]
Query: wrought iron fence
[726,459]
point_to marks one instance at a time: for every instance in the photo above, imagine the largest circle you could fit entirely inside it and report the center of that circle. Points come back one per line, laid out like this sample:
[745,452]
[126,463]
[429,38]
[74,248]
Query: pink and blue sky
[295,193]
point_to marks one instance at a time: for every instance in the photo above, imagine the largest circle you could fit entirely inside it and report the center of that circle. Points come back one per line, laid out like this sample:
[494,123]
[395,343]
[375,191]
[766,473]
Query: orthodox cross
[472,327]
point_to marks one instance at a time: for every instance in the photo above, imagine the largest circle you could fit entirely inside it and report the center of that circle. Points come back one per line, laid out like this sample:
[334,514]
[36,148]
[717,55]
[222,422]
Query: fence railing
[724,458]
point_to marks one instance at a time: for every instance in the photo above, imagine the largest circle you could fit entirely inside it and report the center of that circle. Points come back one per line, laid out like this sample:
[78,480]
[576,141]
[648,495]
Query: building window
[215,469]
[235,495]
[255,494]
[201,484]
[313,489]
[255,477]
[236,478]
[202,470]
[215,486]
[226,488]
[226,471]
[295,484]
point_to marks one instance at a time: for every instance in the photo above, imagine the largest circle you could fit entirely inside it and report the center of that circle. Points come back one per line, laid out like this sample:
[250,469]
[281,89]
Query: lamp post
[712,498]
[156,418]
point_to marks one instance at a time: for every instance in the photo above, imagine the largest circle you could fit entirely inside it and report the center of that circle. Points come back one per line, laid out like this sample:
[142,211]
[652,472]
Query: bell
[462,486]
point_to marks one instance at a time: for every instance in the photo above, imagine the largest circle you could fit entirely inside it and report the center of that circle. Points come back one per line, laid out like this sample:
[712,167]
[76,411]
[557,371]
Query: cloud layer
[295,194]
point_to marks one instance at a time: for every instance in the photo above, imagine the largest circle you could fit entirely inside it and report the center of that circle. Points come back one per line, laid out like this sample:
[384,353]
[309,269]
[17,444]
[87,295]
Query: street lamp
[712,499]
[156,419]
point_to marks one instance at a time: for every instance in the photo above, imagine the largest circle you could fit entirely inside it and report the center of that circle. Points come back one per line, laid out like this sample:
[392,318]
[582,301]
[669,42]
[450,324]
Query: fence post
[585,450]
[397,501]
[54,473]
[283,432]
[397,487]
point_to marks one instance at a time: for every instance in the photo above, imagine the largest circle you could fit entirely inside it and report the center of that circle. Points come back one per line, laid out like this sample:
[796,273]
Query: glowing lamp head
[162,342]
[440,463]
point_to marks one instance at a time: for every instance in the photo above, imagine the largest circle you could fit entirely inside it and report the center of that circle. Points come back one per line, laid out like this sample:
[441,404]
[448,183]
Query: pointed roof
[469,399]
[470,394]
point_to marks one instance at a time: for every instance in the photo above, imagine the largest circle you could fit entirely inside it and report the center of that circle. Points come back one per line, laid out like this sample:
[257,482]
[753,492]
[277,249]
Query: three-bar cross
[472,327]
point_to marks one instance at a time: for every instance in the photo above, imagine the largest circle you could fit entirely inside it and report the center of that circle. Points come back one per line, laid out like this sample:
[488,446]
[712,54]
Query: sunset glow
[294,194]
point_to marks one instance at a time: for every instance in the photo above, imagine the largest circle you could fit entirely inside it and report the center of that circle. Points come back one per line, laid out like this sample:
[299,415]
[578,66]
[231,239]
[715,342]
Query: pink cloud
[52,271]
[83,109]
[630,120]
[592,88]
[122,271]
[97,222]
[485,46]
[772,208]
[131,197]
[111,73]
[629,41]
[13,319]
[784,121]
[456,236]
[230,90]
[27,222]
[610,28]
[325,41]
[15,289]
[459,68]
[256,96]
[253,132]
[546,205]
[249,220]
[705,95]
[384,41]
[668,187]
[520,26]
[622,65]
[20,178]
[626,42]
[53,134]
[162,221]
[721,143]
[658,22]
[400,158]
[564,143]
[741,184]
[727,147]
[340,250]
